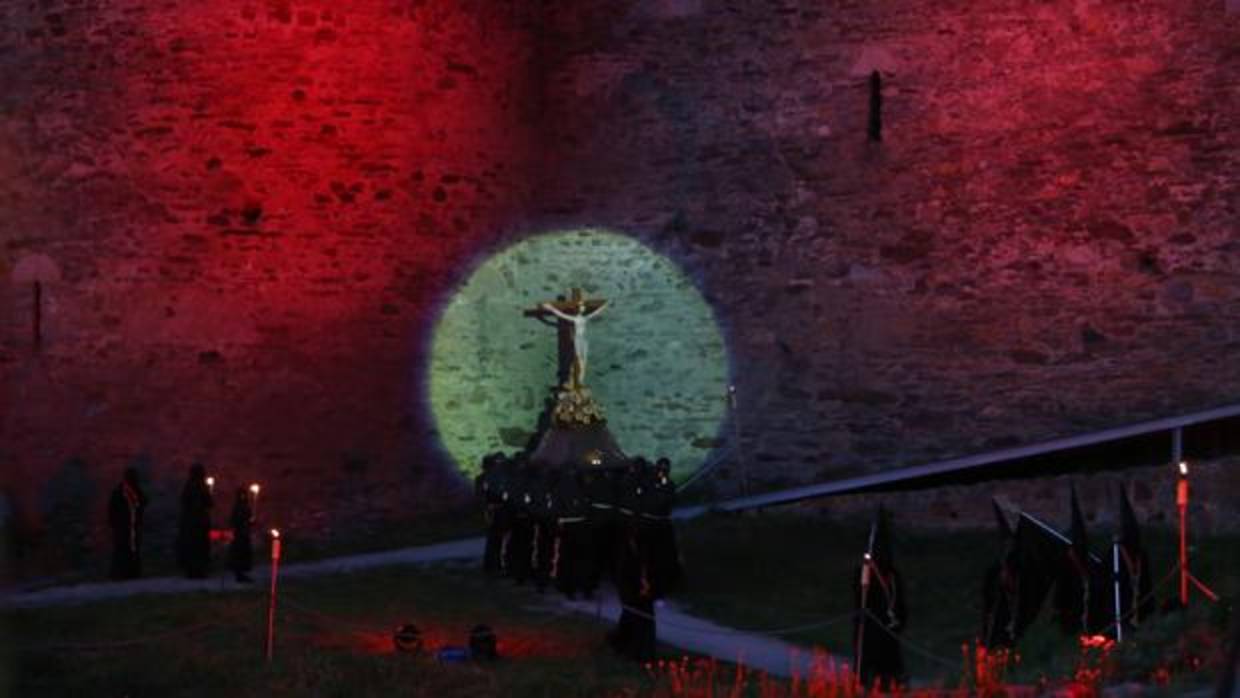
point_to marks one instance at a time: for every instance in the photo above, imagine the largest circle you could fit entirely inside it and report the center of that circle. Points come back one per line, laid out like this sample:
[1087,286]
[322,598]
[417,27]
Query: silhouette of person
[241,549]
[194,525]
[125,509]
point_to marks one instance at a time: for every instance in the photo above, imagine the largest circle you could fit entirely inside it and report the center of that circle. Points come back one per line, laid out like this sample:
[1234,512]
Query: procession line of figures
[1035,561]
[127,506]
[571,528]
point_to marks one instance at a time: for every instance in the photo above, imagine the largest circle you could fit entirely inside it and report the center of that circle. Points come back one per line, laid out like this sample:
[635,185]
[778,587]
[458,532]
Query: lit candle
[1181,489]
[254,501]
[211,485]
[275,545]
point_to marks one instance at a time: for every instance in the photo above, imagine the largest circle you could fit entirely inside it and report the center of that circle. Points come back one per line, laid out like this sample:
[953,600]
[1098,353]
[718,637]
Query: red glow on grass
[514,642]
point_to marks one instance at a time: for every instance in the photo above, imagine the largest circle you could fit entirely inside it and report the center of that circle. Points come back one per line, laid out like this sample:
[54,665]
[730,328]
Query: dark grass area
[772,571]
[333,638]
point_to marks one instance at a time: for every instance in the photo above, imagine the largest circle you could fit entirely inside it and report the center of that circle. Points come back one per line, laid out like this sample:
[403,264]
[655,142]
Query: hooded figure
[1001,590]
[661,495]
[194,525]
[241,549]
[125,509]
[489,487]
[881,613]
[1080,593]
[601,488]
[518,549]
[572,559]
[634,635]
[544,513]
[1134,568]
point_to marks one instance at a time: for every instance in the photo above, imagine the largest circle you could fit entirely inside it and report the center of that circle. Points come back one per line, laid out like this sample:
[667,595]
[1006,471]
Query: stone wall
[1045,242]
[256,210]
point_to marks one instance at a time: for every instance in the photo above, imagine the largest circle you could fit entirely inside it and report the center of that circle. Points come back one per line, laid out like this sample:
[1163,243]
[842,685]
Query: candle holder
[271,599]
[1186,574]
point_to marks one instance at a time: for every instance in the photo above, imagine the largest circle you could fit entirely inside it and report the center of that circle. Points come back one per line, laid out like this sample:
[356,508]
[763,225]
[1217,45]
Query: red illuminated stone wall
[256,207]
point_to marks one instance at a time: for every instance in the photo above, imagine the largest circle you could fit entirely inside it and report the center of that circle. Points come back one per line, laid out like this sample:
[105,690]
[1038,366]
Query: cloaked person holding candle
[194,525]
[241,549]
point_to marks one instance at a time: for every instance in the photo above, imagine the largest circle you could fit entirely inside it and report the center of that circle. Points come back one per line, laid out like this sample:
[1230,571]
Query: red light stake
[1181,501]
[1186,574]
[271,601]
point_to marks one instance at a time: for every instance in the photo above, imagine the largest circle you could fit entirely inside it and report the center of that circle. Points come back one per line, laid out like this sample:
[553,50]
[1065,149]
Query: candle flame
[867,556]
[275,533]
[1184,468]
[210,481]
[254,488]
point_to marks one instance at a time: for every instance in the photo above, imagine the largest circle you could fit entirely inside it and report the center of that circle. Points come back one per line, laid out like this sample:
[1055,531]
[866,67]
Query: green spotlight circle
[657,362]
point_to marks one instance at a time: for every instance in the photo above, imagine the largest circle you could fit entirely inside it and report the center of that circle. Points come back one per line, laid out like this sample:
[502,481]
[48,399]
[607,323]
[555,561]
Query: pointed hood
[1078,535]
[879,546]
[1130,530]
[1005,528]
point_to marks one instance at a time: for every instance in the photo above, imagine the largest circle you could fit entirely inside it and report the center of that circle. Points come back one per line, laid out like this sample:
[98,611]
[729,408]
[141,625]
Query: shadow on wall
[62,528]
[68,502]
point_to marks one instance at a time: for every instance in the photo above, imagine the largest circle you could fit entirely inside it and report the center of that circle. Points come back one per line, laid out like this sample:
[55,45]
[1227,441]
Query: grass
[771,571]
[758,572]
[333,638]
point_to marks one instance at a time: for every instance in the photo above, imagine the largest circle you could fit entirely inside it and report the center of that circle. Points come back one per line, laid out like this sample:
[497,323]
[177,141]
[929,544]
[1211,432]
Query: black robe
[1082,595]
[518,548]
[194,530]
[604,521]
[1001,605]
[634,636]
[876,648]
[488,487]
[241,549]
[573,565]
[1134,571]
[544,514]
[125,510]
[665,553]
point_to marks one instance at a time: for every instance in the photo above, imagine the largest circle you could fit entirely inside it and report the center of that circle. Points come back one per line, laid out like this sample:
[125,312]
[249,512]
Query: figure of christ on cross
[573,314]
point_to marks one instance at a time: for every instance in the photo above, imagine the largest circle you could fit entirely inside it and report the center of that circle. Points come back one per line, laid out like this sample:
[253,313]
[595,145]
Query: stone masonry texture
[246,215]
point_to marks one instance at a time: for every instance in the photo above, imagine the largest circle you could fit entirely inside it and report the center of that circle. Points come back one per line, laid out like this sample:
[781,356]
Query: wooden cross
[571,305]
[575,297]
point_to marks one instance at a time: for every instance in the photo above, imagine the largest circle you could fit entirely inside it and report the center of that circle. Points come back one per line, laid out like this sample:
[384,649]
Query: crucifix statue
[572,315]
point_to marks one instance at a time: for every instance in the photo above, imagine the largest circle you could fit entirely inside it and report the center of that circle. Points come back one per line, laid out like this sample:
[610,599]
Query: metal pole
[271,599]
[736,436]
[862,615]
[1119,616]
